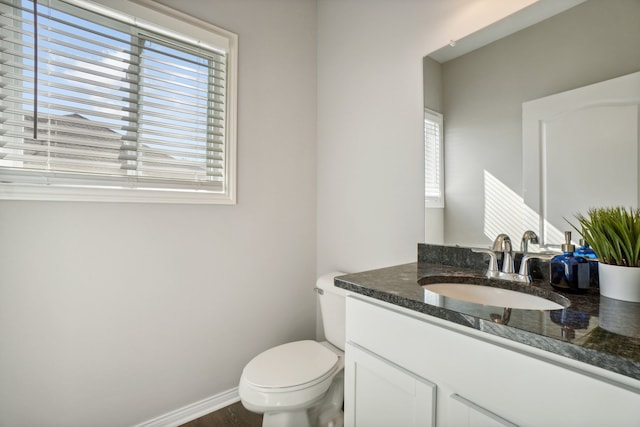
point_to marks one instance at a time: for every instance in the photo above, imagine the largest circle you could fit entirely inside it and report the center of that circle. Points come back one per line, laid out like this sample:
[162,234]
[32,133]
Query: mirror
[480,85]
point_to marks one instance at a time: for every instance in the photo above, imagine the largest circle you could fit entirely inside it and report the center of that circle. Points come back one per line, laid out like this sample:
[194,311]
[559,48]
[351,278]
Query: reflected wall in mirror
[481,94]
[583,142]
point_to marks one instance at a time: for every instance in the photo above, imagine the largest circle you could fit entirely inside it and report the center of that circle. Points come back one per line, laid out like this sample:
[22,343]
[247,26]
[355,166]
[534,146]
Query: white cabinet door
[379,393]
[465,413]
[501,383]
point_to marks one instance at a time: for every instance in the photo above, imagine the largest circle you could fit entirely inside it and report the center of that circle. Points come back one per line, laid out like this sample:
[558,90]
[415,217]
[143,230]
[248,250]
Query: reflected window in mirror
[433,160]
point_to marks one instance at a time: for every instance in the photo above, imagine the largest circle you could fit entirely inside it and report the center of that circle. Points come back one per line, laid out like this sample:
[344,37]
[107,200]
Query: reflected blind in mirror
[433,160]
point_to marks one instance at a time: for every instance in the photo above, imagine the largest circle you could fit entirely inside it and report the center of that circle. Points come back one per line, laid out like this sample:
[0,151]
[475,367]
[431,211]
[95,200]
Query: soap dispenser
[567,271]
[585,251]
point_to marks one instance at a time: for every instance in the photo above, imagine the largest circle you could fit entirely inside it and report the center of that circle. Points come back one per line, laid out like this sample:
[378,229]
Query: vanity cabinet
[383,394]
[404,368]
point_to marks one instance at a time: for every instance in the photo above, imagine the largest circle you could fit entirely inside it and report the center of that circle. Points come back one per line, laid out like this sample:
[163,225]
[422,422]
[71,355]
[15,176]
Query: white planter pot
[622,283]
[619,317]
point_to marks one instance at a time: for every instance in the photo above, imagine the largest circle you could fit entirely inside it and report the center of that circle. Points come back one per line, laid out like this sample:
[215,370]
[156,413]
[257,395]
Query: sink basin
[494,296]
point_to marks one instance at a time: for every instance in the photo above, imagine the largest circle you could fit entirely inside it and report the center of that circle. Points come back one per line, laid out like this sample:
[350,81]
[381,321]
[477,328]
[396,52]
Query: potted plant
[614,234]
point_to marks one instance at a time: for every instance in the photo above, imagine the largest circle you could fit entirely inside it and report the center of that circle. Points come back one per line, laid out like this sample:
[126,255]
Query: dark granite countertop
[595,330]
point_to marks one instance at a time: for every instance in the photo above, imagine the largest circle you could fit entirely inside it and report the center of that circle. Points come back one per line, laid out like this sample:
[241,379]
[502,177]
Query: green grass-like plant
[613,233]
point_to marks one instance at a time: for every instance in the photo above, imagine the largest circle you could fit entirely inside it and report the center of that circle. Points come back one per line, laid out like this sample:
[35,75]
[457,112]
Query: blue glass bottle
[567,271]
[585,251]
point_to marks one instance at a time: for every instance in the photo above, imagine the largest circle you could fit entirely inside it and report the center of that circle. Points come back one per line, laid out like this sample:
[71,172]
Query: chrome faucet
[503,243]
[492,270]
[528,237]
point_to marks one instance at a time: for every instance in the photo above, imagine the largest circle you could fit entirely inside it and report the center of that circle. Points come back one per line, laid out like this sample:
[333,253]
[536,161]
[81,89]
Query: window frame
[148,15]
[436,156]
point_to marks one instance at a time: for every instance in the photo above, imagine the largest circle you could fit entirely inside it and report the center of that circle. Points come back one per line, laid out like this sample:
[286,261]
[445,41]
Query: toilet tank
[332,308]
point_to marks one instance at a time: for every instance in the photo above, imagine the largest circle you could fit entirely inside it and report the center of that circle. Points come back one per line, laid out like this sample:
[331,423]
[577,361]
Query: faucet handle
[525,272]
[492,271]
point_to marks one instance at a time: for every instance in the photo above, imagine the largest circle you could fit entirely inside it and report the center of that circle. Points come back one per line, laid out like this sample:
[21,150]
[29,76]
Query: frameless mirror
[499,180]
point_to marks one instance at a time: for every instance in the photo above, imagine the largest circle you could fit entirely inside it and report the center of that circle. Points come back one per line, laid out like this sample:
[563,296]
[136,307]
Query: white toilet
[301,383]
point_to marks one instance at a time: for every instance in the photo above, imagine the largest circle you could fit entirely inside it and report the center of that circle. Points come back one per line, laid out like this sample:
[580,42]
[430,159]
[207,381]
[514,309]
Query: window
[98,104]
[433,160]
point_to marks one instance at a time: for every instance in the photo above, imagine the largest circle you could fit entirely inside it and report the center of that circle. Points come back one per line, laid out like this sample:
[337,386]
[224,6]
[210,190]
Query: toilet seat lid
[290,364]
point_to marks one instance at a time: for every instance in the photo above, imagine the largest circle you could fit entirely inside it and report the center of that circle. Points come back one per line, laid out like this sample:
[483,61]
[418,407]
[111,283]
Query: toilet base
[300,419]
[325,413]
[286,419]
[329,412]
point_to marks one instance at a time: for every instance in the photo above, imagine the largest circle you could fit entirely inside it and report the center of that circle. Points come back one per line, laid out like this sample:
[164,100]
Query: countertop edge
[403,279]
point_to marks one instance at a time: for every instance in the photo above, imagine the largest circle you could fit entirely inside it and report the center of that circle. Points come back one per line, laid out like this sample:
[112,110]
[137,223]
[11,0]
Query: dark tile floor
[233,416]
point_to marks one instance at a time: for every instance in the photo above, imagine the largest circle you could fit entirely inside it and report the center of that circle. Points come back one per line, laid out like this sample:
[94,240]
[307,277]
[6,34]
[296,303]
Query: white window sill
[15,191]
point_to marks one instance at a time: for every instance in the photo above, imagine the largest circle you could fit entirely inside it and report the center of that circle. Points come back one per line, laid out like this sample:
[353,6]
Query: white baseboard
[194,410]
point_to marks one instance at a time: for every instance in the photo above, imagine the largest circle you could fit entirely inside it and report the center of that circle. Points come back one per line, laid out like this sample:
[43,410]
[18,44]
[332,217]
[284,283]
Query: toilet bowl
[286,381]
[301,383]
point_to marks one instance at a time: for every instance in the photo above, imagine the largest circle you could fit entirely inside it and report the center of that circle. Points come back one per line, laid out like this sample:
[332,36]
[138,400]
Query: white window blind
[94,98]
[433,160]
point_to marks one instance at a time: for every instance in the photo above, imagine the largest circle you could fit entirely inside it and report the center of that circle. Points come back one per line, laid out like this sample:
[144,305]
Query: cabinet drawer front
[394,336]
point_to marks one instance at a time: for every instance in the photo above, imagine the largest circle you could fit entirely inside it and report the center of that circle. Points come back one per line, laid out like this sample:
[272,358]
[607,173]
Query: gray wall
[484,91]
[370,115]
[112,314]
[432,84]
